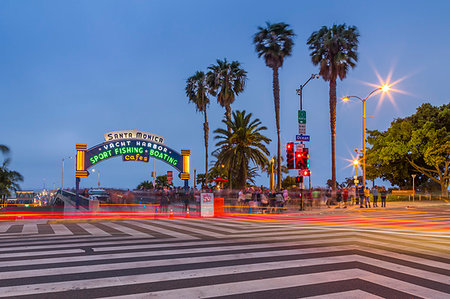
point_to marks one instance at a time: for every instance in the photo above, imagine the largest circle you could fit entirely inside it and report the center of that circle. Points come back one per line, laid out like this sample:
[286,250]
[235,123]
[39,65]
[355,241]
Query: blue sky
[73,70]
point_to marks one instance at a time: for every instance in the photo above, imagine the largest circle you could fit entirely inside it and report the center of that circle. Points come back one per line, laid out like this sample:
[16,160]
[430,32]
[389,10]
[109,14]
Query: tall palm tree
[197,90]
[334,50]
[275,42]
[242,145]
[227,80]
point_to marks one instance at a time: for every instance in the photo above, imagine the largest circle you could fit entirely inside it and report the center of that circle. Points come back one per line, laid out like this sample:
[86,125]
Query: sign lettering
[133,147]
[133,134]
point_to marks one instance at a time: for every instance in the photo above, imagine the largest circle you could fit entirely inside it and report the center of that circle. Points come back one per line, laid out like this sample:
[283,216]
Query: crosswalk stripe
[172,233]
[173,258]
[60,229]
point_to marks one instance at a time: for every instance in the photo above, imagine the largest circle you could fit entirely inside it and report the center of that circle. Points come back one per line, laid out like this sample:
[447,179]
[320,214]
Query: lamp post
[355,163]
[272,161]
[300,90]
[98,175]
[414,190]
[383,88]
[62,175]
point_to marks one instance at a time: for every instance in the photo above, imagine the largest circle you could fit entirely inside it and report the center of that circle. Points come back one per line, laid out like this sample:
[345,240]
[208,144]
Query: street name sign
[304,138]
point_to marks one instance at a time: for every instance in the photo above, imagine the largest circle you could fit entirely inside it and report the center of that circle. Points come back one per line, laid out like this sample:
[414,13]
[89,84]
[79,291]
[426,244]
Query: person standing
[375,196]
[383,194]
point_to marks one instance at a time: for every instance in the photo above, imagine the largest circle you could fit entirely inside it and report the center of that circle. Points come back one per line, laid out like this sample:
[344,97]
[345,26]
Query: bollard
[171,213]
[249,209]
[187,212]
[156,211]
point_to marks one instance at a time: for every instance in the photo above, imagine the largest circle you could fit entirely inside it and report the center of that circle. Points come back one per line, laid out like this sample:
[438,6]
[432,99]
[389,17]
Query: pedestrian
[345,196]
[339,198]
[375,196]
[367,197]
[361,196]
[383,194]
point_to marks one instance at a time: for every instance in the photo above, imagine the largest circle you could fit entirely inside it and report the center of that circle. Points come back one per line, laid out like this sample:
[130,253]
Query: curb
[84,220]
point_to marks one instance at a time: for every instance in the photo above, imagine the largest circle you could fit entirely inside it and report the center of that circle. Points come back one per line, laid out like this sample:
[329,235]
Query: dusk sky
[71,71]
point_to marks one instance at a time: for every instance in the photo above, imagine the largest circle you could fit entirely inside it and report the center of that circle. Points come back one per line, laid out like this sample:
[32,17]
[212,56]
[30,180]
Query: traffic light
[299,160]
[302,159]
[299,179]
[306,156]
[306,172]
[290,155]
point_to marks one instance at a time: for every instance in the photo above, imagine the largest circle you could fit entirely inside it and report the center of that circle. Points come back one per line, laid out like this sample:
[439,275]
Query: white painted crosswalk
[187,258]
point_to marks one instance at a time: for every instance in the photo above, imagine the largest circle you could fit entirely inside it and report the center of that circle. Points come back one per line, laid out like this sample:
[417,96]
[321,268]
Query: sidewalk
[393,205]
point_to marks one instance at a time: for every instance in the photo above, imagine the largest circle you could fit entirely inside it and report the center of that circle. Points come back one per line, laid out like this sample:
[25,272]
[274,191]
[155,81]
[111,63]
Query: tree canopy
[242,145]
[417,144]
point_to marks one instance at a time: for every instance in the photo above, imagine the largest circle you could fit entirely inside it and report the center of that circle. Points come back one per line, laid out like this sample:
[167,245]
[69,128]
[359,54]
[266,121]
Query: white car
[99,194]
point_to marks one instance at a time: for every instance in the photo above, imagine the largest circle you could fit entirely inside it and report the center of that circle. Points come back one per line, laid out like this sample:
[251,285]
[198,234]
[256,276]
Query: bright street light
[383,88]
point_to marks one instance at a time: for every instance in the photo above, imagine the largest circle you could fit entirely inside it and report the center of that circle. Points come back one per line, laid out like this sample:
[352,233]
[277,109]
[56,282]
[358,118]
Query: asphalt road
[397,253]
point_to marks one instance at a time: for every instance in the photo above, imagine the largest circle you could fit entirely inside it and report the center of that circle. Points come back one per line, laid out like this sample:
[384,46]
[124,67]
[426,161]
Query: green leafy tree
[241,145]
[350,181]
[9,179]
[274,42]
[421,141]
[288,182]
[227,80]
[197,90]
[334,50]
[145,185]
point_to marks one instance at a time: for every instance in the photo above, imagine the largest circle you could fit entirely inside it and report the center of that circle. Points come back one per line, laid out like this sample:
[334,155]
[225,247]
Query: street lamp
[62,176]
[384,88]
[300,90]
[356,163]
[98,172]
[272,161]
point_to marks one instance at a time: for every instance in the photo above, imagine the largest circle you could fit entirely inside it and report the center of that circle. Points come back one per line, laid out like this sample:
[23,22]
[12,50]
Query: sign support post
[80,171]
[185,175]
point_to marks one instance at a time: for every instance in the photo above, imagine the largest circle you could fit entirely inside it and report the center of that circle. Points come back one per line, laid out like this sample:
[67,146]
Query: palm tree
[274,42]
[145,185]
[269,166]
[227,80]
[334,49]
[197,90]
[9,179]
[243,144]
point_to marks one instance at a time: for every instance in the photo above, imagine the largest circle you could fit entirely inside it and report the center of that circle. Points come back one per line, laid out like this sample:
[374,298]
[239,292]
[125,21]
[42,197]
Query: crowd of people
[259,199]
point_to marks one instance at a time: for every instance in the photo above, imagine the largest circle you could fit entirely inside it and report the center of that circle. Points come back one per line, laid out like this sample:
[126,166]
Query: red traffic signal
[306,172]
[290,155]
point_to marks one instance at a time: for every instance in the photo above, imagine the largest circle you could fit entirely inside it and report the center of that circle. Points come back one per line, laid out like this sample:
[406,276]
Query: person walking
[375,196]
[361,196]
[345,196]
[383,194]
[367,196]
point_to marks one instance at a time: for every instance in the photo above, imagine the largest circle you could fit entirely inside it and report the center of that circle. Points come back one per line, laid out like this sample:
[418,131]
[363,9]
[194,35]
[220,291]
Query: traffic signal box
[290,155]
[299,179]
[302,159]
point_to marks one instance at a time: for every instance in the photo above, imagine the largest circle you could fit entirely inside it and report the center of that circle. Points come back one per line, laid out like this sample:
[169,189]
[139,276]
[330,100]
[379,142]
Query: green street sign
[301,116]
